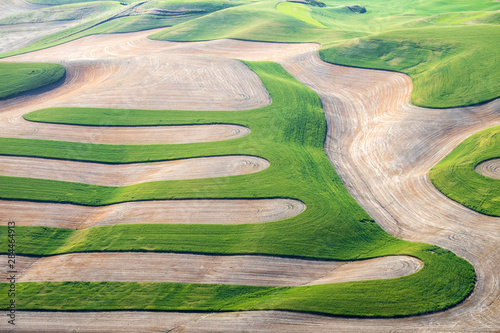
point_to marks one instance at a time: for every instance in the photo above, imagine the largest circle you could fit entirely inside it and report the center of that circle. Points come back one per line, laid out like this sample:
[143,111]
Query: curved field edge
[455,176]
[290,134]
[423,292]
[438,60]
[17,78]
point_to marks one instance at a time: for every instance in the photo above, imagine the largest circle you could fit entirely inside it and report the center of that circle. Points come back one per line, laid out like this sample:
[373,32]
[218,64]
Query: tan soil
[157,211]
[382,148]
[490,168]
[129,174]
[131,71]
[195,268]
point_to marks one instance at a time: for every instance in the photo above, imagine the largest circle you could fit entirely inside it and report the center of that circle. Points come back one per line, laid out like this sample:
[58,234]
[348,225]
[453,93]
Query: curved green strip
[426,291]
[290,134]
[455,176]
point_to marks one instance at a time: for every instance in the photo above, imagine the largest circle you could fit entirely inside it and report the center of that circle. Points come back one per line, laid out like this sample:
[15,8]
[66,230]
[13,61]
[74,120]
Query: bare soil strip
[106,71]
[195,268]
[129,174]
[490,168]
[122,74]
[18,128]
[157,211]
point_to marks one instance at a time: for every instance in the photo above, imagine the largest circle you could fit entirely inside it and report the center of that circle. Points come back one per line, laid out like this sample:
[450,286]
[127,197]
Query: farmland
[180,148]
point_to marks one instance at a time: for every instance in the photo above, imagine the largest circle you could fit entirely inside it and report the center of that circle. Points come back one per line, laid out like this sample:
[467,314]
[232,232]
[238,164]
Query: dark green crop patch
[17,78]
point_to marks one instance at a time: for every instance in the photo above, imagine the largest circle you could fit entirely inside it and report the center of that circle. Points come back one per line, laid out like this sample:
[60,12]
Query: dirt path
[129,174]
[156,211]
[490,168]
[382,148]
[194,268]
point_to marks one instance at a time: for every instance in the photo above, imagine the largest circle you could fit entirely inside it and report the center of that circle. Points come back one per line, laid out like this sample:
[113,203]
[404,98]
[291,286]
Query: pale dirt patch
[118,322]
[210,211]
[144,80]
[17,36]
[490,168]
[129,174]
[140,135]
[196,268]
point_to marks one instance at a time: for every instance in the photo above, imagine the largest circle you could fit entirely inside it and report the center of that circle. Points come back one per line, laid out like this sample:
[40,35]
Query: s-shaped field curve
[129,174]
[84,75]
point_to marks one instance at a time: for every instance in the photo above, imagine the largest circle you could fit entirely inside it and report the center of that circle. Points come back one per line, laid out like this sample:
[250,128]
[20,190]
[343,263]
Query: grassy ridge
[16,78]
[455,175]
[298,11]
[254,21]
[289,133]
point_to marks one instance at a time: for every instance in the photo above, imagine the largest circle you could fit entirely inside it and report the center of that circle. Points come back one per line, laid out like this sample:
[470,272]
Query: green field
[298,11]
[449,49]
[289,133]
[16,78]
[456,177]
